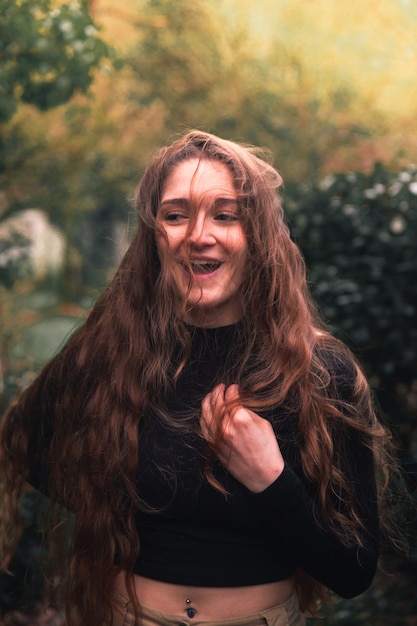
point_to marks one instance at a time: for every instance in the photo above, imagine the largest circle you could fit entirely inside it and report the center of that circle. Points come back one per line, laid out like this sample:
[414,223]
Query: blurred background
[89,89]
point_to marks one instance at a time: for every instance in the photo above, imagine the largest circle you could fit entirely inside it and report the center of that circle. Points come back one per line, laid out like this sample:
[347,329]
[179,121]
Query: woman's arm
[250,452]
[248,448]
[347,569]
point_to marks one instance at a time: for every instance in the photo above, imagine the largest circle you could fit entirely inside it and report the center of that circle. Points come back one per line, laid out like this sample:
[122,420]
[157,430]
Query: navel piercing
[189,610]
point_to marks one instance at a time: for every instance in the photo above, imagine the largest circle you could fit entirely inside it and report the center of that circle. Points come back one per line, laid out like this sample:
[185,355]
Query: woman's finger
[212,408]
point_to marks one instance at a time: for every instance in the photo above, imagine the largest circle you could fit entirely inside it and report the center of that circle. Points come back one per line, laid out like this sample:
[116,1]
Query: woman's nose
[201,232]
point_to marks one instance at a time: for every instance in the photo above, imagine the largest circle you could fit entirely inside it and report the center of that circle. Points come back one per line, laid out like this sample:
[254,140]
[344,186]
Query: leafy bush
[358,234]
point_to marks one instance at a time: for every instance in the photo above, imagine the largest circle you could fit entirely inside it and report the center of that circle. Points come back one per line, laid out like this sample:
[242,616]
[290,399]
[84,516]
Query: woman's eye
[175,217]
[227,217]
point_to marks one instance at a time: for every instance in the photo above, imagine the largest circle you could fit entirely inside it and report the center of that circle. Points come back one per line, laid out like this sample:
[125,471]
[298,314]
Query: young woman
[215,444]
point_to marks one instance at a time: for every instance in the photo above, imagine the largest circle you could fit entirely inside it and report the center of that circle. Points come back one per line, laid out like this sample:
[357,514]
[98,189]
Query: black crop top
[195,535]
[202,537]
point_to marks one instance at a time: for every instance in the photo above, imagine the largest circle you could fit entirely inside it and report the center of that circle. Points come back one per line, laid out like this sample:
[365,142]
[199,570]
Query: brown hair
[118,365]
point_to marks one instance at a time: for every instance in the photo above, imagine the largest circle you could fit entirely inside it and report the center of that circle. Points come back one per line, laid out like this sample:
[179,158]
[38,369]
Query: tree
[46,53]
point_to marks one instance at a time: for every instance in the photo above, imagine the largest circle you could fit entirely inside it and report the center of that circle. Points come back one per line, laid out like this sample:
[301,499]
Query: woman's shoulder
[336,363]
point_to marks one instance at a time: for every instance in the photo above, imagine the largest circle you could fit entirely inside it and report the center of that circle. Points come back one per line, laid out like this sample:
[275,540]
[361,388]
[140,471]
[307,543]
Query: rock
[30,247]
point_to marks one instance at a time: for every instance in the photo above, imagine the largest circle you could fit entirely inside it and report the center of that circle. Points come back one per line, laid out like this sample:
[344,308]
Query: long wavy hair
[119,365]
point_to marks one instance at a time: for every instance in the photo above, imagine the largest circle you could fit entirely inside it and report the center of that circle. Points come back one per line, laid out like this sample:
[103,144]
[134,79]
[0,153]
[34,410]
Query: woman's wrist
[262,483]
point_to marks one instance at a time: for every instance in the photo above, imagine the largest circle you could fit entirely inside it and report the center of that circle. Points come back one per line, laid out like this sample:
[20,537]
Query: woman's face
[205,248]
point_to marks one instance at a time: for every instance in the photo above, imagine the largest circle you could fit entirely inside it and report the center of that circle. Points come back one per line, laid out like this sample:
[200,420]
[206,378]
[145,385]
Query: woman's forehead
[195,177]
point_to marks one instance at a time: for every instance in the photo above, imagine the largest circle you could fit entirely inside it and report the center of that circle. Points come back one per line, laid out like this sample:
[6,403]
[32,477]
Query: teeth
[205,268]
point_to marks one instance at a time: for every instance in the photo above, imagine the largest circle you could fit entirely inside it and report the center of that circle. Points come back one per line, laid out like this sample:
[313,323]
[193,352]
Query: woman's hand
[248,447]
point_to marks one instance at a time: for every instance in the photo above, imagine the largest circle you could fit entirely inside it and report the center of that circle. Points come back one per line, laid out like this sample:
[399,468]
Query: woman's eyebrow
[184,202]
[176,202]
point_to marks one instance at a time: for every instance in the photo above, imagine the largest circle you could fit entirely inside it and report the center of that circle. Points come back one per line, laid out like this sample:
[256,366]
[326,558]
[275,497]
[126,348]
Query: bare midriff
[209,603]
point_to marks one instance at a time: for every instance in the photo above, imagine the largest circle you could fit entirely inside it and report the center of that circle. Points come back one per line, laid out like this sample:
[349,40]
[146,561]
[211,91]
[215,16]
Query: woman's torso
[190,532]
[214,549]
[210,603]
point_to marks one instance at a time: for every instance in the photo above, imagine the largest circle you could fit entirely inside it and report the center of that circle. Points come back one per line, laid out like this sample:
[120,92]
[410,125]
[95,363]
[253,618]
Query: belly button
[189,610]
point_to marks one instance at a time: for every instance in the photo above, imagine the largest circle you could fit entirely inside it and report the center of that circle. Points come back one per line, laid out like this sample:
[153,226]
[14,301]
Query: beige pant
[286,614]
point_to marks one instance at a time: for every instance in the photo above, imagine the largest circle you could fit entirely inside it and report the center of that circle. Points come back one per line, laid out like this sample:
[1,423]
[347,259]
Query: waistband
[286,614]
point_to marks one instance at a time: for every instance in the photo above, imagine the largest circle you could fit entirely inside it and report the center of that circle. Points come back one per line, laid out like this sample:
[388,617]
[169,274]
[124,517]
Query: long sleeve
[348,570]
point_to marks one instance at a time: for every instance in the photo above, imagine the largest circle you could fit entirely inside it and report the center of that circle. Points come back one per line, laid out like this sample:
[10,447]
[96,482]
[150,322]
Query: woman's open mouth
[202,267]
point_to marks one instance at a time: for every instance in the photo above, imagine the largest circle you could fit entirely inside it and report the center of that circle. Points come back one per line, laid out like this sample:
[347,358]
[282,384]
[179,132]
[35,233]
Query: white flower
[327,182]
[349,209]
[395,188]
[78,45]
[413,187]
[397,225]
[379,189]
[41,43]
[88,58]
[370,194]
[405,177]
[90,31]
[66,26]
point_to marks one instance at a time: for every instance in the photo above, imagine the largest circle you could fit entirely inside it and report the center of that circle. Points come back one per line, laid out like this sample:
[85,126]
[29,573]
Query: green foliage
[358,234]
[174,54]
[193,69]
[14,259]
[389,602]
[46,54]
[178,60]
